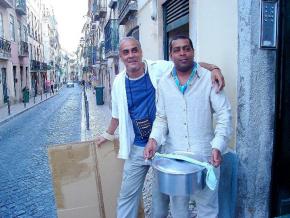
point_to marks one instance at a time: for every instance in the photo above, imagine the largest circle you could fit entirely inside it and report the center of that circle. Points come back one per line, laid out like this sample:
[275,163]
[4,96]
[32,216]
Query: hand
[218,80]
[100,140]
[150,148]
[216,157]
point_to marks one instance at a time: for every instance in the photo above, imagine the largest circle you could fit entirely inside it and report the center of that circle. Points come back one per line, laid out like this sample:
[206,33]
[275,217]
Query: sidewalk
[99,117]
[19,108]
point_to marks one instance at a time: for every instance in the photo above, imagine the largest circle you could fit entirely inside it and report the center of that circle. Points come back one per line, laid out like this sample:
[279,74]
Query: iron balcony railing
[126,8]
[34,65]
[87,52]
[112,38]
[21,7]
[43,66]
[23,49]
[6,3]
[87,69]
[99,9]
[5,49]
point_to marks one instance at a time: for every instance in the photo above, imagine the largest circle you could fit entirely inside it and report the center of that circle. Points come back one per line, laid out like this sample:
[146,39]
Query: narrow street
[25,181]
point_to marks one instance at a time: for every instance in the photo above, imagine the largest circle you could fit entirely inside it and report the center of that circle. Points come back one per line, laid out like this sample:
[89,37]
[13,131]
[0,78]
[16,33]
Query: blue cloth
[141,105]
[182,88]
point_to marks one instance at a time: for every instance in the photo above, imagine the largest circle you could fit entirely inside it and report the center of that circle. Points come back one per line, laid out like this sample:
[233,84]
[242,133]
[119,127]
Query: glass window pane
[11,28]
[1,26]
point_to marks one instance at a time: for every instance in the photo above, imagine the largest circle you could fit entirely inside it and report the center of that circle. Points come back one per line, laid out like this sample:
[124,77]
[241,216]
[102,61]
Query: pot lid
[173,166]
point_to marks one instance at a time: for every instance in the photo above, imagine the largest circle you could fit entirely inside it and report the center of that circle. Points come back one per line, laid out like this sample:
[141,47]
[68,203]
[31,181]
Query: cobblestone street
[25,181]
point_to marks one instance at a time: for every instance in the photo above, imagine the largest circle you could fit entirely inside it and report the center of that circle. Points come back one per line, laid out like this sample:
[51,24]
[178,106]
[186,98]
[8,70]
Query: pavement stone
[18,108]
[99,117]
[19,197]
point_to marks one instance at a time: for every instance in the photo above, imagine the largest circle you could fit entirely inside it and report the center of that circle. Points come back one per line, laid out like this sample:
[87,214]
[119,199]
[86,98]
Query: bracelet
[108,136]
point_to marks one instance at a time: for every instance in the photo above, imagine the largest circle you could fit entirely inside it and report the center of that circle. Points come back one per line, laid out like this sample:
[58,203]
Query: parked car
[70,85]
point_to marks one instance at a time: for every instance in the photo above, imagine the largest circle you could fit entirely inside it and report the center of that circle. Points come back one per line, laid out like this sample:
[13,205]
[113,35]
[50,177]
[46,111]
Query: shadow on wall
[228,186]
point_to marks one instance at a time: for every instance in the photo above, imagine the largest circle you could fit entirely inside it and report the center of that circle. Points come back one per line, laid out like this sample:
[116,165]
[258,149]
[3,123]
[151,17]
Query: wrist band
[108,136]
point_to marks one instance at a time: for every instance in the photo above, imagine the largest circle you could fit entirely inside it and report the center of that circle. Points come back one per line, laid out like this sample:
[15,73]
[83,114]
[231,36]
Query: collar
[170,75]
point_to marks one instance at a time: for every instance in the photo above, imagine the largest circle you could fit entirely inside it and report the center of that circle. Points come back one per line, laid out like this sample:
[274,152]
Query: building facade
[14,62]
[228,34]
[51,45]
[29,49]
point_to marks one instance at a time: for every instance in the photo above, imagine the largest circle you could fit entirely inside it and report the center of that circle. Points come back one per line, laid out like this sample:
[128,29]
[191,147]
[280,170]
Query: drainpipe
[154,10]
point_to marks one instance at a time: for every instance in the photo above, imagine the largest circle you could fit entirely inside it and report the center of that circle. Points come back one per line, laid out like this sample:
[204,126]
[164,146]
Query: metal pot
[178,178]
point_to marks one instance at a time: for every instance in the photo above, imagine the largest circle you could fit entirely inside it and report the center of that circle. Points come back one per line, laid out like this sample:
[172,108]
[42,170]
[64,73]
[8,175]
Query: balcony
[112,38]
[21,7]
[34,65]
[126,9]
[43,66]
[23,49]
[87,52]
[99,9]
[5,49]
[86,69]
[6,3]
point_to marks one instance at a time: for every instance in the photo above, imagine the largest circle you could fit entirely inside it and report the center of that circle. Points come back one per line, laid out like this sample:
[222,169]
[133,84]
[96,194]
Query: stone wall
[256,108]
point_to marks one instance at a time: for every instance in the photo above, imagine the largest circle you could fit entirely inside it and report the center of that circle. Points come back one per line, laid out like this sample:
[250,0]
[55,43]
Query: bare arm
[109,134]
[113,126]
[216,76]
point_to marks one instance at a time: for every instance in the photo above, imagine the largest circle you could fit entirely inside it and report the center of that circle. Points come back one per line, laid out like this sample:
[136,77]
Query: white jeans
[134,173]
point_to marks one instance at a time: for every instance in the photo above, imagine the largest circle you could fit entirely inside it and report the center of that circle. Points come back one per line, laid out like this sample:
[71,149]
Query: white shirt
[156,70]
[188,118]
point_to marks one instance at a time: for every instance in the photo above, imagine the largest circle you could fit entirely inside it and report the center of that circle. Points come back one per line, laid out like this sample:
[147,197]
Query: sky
[70,17]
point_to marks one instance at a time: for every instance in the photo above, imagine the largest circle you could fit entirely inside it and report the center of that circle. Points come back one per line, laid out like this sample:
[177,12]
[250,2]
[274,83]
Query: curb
[24,110]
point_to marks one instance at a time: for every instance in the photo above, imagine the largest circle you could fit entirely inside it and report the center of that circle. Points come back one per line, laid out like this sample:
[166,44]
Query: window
[21,76]
[11,28]
[19,32]
[134,33]
[14,79]
[25,33]
[1,26]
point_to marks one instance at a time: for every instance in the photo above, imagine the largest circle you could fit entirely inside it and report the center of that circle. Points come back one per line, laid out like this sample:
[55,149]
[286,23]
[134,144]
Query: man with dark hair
[133,110]
[185,105]
[179,37]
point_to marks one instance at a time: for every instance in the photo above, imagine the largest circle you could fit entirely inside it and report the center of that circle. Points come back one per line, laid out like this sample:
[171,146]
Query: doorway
[4,84]
[280,187]
[175,21]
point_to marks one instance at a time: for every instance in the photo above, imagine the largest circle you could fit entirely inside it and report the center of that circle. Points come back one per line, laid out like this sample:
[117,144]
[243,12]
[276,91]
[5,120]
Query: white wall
[148,30]
[214,30]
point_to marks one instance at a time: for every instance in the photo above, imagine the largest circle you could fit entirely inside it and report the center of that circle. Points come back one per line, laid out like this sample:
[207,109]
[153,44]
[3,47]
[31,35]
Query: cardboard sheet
[86,179]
